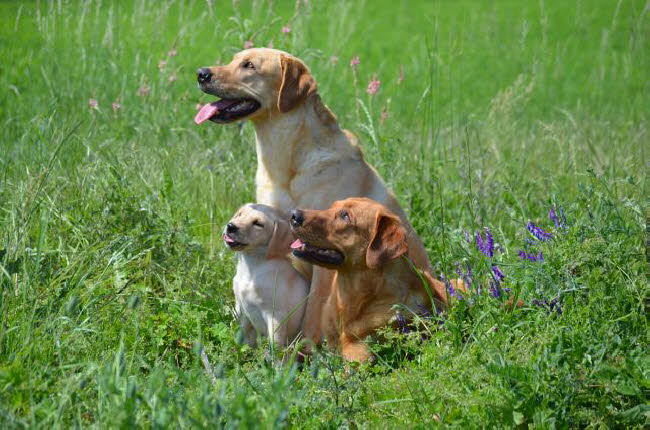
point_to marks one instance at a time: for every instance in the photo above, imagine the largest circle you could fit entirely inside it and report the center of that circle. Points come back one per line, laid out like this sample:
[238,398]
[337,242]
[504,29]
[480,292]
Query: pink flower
[286,30]
[355,62]
[144,90]
[248,44]
[93,104]
[161,65]
[172,52]
[116,106]
[373,86]
[172,77]
[384,115]
[334,60]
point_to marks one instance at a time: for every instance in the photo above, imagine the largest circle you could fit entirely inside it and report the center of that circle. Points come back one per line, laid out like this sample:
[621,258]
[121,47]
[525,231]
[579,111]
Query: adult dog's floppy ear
[280,240]
[297,83]
[388,241]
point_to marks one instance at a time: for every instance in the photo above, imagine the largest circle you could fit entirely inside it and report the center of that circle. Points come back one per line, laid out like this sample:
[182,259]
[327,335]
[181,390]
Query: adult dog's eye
[256,223]
[247,65]
[345,216]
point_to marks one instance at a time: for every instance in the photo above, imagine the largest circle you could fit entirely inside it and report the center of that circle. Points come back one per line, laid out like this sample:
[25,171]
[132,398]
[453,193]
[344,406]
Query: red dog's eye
[248,65]
[345,216]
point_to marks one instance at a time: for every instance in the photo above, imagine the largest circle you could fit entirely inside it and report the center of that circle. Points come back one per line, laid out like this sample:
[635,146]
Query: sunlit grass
[488,114]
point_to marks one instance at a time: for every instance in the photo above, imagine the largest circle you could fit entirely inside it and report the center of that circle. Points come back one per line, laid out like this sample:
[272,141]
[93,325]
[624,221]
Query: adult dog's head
[353,234]
[257,82]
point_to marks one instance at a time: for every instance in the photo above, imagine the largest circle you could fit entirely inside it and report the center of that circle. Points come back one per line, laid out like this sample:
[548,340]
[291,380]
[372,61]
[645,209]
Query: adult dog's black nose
[203,75]
[231,228]
[297,217]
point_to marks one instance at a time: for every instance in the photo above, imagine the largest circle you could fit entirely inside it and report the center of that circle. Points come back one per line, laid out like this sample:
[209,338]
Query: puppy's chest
[255,281]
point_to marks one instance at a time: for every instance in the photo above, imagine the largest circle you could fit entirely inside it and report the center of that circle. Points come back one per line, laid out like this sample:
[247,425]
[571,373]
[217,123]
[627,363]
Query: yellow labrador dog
[304,158]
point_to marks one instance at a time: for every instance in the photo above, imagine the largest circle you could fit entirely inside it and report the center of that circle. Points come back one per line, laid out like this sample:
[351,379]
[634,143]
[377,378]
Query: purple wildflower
[538,232]
[548,306]
[485,246]
[498,274]
[531,256]
[489,241]
[424,311]
[450,288]
[468,238]
[401,323]
[495,290]
[468,276]
[559,221]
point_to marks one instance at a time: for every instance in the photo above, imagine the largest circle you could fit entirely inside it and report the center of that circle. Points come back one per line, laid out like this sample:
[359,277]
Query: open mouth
[226,110]
[316,255]
[232,243]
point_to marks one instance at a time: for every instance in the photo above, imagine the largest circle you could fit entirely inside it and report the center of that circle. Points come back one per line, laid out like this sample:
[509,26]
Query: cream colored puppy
[304,158]
[270,294]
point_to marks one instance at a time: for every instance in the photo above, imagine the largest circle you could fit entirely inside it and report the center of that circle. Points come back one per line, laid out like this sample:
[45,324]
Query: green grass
[112,269]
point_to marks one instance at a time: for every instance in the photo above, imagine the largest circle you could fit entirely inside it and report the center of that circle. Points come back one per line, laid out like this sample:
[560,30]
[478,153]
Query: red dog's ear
[280,241]
[297,83]
[388,241]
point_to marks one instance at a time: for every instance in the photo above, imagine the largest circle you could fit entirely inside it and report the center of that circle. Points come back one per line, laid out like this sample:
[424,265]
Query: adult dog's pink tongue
[206,112]
[297,244]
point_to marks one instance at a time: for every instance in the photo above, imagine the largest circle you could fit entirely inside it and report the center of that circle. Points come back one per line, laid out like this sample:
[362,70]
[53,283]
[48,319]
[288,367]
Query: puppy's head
[256,83]
[261,228]
[355,233]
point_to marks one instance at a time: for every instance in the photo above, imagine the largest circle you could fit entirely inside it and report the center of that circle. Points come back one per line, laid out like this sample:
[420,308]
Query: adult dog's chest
[314,182]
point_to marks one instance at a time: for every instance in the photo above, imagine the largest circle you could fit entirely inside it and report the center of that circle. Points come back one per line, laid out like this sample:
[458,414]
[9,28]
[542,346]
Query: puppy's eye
[345,216]
[247,65]
[256,223]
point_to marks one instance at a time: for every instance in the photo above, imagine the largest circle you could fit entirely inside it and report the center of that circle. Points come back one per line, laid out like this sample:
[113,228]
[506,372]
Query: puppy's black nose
[297,217]
[203,75]
[231,228]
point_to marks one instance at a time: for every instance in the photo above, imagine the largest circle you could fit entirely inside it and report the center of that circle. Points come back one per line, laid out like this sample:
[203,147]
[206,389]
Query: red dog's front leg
[354,349]
[321,286]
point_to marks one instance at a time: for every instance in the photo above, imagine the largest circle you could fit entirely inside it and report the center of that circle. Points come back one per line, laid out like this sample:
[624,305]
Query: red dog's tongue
[206,112]
[297,244]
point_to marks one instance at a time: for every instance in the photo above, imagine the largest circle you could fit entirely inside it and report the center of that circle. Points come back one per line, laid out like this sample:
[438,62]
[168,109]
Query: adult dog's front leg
[321,286]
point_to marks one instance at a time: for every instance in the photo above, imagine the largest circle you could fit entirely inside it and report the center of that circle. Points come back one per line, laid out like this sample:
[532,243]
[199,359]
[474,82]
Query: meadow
[490,116]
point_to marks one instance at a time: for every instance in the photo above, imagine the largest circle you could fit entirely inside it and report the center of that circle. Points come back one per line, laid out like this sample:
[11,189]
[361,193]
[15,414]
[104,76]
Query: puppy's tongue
[228,238]
[206,112]
[297,244]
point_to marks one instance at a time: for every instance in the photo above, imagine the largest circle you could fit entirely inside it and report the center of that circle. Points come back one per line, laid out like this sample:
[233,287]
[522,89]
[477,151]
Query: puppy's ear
[280,240]
[388,241]
[297,83]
